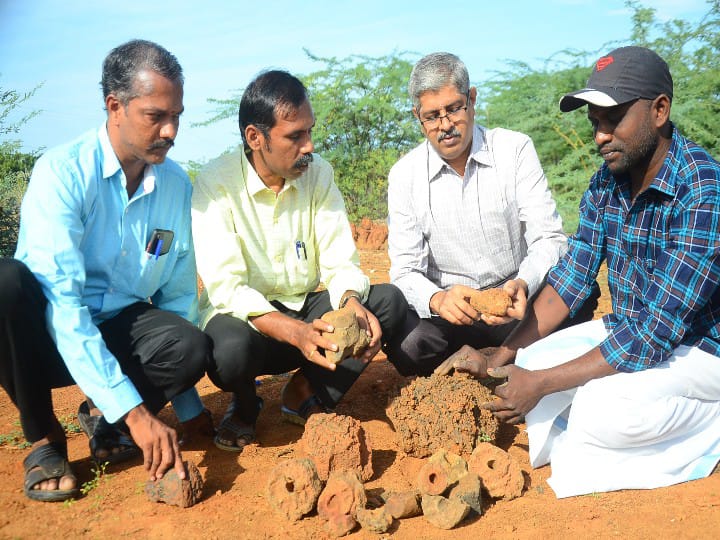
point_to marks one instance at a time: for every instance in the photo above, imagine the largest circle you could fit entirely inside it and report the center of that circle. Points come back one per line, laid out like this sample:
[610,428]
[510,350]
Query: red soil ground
[234,505]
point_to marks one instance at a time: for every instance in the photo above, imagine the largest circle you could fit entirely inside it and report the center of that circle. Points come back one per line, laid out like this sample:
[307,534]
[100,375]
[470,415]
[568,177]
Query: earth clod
[347,335]
[491,302]
[430,413]
[344,493]
[336,442]
[501,475]
[293,488]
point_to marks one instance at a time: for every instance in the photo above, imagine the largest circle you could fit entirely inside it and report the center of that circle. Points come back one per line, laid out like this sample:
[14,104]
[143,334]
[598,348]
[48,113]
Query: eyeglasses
[452,114]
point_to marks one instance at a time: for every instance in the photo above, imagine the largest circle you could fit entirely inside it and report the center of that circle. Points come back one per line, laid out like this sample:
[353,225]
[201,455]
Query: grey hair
[436,71]
[123,64]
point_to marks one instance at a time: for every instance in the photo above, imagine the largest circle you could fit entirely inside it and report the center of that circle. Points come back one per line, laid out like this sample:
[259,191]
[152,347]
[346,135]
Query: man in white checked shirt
[468,208]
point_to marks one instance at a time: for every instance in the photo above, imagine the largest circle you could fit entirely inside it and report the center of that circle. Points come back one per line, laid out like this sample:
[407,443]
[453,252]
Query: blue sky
[222,45]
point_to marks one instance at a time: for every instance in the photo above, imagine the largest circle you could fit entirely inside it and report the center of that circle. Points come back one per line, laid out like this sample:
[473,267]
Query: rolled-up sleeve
[682,280]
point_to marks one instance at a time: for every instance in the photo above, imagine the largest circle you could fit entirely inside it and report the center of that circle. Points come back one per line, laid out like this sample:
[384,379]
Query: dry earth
[234,504]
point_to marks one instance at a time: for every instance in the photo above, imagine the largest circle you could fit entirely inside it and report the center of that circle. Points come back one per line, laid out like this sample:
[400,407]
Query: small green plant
[14,438]
[69,424]
[484,437]
[98,475]
[17,439]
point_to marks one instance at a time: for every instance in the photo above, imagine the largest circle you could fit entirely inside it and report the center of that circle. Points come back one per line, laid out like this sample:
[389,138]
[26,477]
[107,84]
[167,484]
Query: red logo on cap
[604,62]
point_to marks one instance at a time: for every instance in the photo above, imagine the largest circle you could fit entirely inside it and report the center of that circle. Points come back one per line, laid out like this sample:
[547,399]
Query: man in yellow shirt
[269,226]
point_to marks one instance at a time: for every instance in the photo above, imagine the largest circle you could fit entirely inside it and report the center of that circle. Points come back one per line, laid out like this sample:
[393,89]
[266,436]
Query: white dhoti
[643,430]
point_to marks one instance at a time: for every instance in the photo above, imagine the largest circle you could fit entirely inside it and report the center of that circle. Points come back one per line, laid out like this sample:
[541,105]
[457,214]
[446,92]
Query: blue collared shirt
[663,258]
[85,242]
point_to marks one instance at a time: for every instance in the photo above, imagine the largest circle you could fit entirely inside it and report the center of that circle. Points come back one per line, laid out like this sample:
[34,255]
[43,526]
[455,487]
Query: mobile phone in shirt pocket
[159,242]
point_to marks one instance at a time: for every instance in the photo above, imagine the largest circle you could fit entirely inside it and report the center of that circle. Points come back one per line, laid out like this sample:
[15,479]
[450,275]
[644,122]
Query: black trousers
[241,353]
[161,353]
[426,343]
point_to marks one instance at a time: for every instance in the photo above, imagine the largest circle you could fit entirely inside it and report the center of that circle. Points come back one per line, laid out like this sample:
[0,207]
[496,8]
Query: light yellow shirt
[254,246]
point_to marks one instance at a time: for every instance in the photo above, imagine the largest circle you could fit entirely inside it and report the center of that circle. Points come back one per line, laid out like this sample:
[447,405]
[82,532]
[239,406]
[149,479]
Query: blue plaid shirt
[663,258]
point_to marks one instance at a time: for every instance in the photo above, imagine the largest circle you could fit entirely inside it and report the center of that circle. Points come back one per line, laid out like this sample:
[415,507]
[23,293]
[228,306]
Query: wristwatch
[347,296]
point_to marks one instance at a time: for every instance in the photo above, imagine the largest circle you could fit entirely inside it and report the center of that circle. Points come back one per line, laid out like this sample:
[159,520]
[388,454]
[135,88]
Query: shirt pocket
[496,228]
[150,277]
[302,259]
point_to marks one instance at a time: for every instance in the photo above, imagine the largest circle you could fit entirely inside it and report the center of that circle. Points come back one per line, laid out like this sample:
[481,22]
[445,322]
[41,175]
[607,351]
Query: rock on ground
[440,472]
[170,489]
[442,512]
[403,504]
[338,503]
[469,491]
[377,520]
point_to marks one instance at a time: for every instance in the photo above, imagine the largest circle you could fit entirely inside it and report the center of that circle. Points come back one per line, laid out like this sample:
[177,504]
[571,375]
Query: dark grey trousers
[161,353]
[241,353]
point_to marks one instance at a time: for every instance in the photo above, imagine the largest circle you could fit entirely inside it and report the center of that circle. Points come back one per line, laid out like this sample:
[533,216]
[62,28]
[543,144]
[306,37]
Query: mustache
[454,132]
[162,143]
[304,160]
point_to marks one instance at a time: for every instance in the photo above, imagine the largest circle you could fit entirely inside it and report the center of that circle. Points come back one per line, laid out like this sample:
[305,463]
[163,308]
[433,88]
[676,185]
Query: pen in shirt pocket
[159,243]
[300,245]
[158,248]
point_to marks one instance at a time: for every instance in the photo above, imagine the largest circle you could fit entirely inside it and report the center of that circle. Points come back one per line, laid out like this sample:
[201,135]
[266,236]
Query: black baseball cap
[623,75]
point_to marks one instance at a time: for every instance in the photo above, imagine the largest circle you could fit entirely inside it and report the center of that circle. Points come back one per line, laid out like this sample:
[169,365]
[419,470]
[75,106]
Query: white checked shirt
[499,222]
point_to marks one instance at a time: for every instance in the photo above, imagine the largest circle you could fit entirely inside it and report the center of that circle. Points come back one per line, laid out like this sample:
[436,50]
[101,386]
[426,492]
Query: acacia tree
[363,123]
[525,99]
[15,167]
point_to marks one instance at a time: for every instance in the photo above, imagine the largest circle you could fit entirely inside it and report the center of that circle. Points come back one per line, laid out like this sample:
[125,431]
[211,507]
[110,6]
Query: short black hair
[123,64]
[269,93]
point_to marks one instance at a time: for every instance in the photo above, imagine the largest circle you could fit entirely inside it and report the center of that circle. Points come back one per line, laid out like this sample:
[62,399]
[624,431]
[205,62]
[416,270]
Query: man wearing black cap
[632,400]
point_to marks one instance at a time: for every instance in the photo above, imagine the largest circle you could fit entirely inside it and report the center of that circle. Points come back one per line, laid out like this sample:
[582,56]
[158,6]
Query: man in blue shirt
[632,400]
[102,292]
